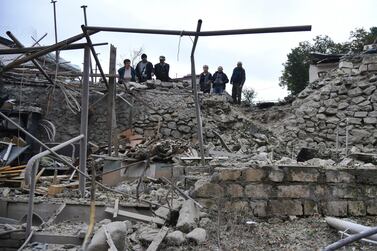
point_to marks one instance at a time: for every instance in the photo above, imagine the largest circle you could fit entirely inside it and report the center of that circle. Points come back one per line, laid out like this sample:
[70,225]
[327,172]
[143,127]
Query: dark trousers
[236,93]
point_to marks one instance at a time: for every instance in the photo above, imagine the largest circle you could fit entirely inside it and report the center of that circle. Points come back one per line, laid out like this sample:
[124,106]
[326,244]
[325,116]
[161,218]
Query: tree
[249,95]
[134,56]
[295,75]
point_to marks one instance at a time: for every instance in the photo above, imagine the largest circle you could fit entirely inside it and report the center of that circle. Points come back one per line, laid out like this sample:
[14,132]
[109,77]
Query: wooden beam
[111,99]
[158,239]
[136,216]
[116,208]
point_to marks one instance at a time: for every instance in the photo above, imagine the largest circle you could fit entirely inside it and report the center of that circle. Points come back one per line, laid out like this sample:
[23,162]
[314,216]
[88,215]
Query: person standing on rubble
[144,69]
[161,70]
[127,73]
[237,80]
[205,80]
[219,79]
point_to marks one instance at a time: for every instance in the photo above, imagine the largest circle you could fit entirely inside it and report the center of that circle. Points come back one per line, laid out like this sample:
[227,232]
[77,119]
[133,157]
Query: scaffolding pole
[196,98]
[84,120]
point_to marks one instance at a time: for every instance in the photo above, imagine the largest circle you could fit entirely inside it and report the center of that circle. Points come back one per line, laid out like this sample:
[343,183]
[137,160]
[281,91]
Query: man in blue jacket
[219,79]
[126,73]
[144,69]
[237,80]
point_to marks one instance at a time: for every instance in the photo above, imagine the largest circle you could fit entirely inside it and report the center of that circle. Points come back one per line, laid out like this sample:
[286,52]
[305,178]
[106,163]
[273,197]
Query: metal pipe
[35,49]
[86,23]
[204,33]
[56,34]
[84,120]
[30,173]
[19,44]
[350,239]
[46,51]
[111,119]
[196,98]
[89,41]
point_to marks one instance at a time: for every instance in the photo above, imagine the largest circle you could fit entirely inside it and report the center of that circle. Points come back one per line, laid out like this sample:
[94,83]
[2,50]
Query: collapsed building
[149,189]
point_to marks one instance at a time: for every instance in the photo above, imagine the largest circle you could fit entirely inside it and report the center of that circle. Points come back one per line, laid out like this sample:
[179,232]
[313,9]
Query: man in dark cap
[144,69]
[161,70]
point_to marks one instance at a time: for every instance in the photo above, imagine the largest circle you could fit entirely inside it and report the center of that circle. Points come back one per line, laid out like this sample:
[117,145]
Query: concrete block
[356,208]
[336,176]
[285,207]
[259,191]
[372,207]
[310,207]
[237,207]
[259,208]
[188,217]
[254,174]
[305,175]
[293,191]
[234,190]
[206,189]
[276,175]
[344,192]
[345,64]
[229,174]
[336,208]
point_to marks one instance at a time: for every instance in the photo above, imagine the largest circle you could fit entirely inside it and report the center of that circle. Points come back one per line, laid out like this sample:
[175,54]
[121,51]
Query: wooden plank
[116,208]
[109,240]
[136,216]
[56,238]
[55,189]
[53,217]
[206,158]
[11,171]
[39,174]
[158,239]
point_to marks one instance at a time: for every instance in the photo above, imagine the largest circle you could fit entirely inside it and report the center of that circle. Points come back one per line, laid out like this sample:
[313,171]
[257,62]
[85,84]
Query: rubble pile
[338,108]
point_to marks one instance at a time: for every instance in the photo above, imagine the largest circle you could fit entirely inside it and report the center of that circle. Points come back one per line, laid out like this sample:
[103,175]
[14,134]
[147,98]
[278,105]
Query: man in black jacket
[144,69]
[237,80]
[161,70]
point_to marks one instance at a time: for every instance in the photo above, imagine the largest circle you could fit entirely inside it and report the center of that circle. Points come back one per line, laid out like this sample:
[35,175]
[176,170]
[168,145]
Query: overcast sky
[262,54]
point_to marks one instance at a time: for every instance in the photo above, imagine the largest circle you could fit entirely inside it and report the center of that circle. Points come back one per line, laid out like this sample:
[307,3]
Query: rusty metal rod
[204,33]
[35,49]
[35,62]
[45,51]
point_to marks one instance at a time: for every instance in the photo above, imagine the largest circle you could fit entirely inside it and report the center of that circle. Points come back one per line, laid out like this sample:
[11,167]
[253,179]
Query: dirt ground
[276,234]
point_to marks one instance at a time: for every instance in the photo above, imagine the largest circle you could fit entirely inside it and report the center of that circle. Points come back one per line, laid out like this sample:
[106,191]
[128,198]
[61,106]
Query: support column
[111,118]
[84,119]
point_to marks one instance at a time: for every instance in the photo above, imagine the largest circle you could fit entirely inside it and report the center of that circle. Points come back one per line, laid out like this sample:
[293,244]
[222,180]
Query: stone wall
[291,190]
[171,103]
[345,99]
[11,241]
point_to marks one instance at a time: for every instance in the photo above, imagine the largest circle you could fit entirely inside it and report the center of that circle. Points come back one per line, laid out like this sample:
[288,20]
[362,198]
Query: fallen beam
[199,158]
[56,238]
[35,49]
[136,216]
[49,49]
[158,239]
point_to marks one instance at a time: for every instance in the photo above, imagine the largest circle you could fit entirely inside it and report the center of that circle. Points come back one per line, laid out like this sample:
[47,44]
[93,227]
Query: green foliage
[295,75]
[249,95]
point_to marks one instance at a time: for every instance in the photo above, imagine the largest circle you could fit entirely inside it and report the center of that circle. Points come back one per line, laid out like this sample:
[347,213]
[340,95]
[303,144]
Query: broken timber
[136,216]
[158,239]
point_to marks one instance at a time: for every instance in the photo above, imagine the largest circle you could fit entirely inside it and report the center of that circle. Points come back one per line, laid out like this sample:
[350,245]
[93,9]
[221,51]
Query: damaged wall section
[291,190]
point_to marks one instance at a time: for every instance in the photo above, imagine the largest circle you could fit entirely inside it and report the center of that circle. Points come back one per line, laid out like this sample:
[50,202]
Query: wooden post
[111,118]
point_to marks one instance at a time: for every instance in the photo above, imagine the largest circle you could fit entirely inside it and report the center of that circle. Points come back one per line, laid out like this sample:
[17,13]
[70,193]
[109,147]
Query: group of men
[219,79]
[144,71]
